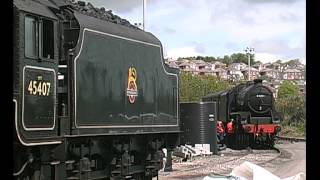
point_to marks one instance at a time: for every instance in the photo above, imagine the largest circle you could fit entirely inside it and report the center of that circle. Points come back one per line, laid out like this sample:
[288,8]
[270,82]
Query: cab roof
[36,7]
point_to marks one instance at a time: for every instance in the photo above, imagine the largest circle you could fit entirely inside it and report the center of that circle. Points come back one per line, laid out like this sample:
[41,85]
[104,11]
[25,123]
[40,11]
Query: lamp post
[144,9]
[144,12]
[249,50]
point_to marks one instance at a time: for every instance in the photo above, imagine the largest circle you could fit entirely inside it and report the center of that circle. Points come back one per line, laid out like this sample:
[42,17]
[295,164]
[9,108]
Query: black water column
[197,126]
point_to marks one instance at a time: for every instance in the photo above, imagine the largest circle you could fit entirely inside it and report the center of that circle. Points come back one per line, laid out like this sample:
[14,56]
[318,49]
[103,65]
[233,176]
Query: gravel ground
[277,163]
[291,161]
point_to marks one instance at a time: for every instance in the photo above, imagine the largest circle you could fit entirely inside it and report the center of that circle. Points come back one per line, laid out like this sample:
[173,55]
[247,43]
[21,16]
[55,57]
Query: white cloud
[268,57]
[265,57]
[275,28]
[263,21]
[182,52]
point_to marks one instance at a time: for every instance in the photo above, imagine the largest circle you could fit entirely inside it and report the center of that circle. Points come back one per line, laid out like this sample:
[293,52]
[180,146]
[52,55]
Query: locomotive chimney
[256,81]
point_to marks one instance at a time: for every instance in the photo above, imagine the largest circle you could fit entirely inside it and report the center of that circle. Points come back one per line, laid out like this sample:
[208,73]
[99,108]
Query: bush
[291,103]
[293,109]
[194,87]
[293,131]
[288,89]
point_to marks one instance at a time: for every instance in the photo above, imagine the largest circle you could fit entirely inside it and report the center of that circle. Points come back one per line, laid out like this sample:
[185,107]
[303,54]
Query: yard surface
[291,161]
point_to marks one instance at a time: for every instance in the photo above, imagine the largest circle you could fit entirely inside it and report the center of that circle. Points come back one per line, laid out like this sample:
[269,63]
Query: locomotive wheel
[270,141]
[138,176]
[251,140]
[240,140]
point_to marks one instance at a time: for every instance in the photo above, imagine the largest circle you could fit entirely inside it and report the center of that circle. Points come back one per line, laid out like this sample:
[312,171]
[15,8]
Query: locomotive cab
[35,73]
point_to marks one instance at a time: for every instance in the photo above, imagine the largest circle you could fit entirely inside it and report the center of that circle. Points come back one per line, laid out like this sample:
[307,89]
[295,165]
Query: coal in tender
[100,13]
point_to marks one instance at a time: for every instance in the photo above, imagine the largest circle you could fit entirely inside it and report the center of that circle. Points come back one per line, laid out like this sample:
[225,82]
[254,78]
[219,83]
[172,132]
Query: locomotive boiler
[92,96]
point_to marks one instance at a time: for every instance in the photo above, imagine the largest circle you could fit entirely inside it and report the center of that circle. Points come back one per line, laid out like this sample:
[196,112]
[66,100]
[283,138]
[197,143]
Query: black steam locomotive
[251,107]
[92,99]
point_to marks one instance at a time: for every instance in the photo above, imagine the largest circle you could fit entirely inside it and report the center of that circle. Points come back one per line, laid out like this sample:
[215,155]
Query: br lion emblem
[132,89]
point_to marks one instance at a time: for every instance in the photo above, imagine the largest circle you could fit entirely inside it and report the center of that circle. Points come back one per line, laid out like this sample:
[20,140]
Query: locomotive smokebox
[198,123]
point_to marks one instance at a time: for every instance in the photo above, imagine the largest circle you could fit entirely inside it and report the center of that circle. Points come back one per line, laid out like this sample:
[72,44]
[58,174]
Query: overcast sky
[276,29]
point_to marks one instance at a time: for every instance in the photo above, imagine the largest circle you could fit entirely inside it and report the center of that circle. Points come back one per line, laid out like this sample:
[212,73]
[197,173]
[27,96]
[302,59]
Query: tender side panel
[38,107]
[103,76]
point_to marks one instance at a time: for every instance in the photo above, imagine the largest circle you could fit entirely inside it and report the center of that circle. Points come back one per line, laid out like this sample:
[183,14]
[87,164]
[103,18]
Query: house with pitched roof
[254,73]
[234,74]
[238,66]
[271,73]
[220,72]
[292,74]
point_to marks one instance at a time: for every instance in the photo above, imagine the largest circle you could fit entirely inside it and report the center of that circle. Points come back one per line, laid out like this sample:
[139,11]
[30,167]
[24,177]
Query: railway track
[291,139]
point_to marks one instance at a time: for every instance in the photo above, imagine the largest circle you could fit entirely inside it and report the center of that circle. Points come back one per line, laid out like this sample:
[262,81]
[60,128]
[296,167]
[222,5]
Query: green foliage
[288,88]
[220,59]
[209,58]
[194,87]
[190,58]
[204,58]
[279,61]
[293,62]
[256,62]
[199,58]
[292,105]
[227,60]
[293,109]
[242,58]
[234,58]
[293,131]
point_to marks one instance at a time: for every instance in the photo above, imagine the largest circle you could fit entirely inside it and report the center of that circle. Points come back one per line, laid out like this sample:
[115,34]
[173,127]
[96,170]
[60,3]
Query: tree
[242,58]
[293,62]
[209,59]
[293,109]
[219,59]
[256,62]
[190,58]
[199,58]
[292,105]
[194,87]
[279,61]
[226,60]
[288,89]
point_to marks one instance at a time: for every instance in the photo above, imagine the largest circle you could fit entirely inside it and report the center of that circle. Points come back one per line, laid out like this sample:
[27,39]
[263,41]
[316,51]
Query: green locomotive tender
[93,99]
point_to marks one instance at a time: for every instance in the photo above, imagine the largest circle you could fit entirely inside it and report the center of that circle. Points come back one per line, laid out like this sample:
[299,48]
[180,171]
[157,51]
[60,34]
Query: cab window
[47,39]
[39,38]
[30,33]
